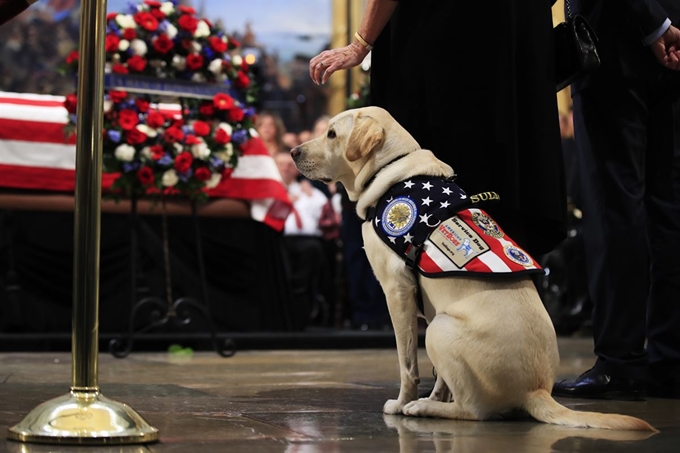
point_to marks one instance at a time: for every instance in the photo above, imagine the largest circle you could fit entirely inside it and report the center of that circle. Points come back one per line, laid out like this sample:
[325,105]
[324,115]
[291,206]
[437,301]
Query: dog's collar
[375,175]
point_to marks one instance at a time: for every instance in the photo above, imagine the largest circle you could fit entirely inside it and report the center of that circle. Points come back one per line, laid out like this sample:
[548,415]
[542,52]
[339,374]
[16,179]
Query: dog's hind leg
[440,392]
[430,408]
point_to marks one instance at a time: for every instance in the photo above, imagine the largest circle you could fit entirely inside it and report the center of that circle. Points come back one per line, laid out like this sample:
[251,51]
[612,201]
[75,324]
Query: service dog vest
[433,225]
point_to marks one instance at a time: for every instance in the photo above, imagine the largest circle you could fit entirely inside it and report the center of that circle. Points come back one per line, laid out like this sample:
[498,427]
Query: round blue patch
[518,255]
[399,216]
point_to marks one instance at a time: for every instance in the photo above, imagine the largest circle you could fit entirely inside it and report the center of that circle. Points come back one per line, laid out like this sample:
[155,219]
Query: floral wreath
[160,150]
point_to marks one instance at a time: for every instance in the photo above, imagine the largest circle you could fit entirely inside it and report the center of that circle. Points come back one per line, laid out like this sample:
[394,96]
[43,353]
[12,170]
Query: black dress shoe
[597,385]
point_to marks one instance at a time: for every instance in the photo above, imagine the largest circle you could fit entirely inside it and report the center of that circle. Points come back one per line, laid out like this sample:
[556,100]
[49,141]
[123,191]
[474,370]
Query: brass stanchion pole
[84,415]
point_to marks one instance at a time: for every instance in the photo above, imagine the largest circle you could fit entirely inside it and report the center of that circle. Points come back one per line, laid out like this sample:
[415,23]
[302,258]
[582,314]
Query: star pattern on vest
[435,198]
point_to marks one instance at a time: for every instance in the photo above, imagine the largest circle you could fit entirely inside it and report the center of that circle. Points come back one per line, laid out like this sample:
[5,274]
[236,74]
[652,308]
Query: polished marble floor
[306,401]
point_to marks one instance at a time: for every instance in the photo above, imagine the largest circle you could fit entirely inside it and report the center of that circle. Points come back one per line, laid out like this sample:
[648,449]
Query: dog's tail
[544,408]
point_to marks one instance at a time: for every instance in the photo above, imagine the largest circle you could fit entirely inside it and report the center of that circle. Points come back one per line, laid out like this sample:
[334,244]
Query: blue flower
[132,8]
[111,27]
[187,130]
[249,111]
[185,176]
[216,162]
[114,135]
[209,54]
[239,137]
[73,118]
[163,26]
[165,161]
[130,166]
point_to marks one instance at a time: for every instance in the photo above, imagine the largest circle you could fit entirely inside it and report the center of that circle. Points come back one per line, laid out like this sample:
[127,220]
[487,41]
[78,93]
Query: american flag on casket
[34,154]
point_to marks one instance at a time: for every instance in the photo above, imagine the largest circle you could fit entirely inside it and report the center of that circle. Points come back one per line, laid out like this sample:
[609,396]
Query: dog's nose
[295,152]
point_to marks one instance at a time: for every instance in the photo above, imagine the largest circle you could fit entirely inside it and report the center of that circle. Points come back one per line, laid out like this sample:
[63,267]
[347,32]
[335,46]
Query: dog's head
[356,144]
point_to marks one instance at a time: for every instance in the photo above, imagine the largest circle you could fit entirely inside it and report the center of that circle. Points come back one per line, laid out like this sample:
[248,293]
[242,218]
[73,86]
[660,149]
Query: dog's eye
[331,134]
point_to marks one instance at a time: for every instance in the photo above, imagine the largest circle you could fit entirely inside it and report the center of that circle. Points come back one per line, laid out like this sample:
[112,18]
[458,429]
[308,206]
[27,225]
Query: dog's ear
[366,135]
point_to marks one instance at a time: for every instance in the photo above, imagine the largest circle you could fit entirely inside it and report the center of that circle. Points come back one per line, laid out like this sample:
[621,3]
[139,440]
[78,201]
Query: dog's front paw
[393,407]
[416,408]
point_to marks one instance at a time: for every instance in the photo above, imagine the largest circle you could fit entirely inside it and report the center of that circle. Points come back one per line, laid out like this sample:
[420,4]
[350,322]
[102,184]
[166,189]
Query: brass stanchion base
[83,418]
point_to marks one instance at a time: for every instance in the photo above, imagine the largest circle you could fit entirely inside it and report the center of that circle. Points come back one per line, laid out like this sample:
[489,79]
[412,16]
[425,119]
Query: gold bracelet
[362,41]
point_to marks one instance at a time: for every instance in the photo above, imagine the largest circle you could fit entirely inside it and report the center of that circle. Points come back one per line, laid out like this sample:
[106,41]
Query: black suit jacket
[621,26]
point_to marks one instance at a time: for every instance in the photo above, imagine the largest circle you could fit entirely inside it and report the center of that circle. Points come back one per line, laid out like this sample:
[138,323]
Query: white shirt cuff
[657,34]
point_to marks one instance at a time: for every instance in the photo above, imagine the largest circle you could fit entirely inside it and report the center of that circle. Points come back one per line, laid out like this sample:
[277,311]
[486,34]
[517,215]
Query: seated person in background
[290,140]
[271,130]
[302,237]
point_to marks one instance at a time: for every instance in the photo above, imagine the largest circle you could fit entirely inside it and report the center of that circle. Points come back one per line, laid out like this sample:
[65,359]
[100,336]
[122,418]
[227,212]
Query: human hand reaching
[666,49]
[327,62]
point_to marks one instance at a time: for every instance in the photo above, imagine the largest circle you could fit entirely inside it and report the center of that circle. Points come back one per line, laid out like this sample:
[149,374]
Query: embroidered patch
[487,225]
[399,216]
[518,255]
[458,241]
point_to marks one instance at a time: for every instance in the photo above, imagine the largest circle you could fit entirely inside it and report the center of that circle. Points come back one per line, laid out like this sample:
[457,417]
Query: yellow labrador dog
[491,341]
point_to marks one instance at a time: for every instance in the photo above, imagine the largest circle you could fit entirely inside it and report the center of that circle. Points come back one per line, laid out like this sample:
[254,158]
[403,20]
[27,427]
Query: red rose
[153,3]
[201,128]
[157,13]
[127,119]
[194,61]
[206,109]
[192,140]
[186,9]
[227,172]
[217,44]
[142,105]
[244,66]
[135,137]
[234,43]
[117,96]
[173,134]
[136,63]
[112,42]
[223,101]
[71,103]
[222,137]
[145,175]
[119,69]
[146,21]
[235,115]
[157,152]
[155,119]
[163,44]
[129,34]
[202,174]
[188,23]
[72,57]
[242,80]
[111,16]
[183,161]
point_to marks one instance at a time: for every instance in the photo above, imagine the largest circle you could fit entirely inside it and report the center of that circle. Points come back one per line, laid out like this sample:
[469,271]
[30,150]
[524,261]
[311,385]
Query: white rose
[226,153]
[167,8]
[123,45]
[179,62]
[146,130]
[198,77]
[171,31]
[126,21]
[214,180]
[107,105]
[237,60]
[227,127]
[202,29]
[215,66]
[139,47]
[170,178]
[253,132]
[124,152]
[179,148]
[200,151]
[196,47]
[146,152]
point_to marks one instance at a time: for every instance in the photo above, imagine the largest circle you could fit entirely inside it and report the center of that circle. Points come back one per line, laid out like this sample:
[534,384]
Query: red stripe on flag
[41,178]
[427,265]
[33,102]
[34,131]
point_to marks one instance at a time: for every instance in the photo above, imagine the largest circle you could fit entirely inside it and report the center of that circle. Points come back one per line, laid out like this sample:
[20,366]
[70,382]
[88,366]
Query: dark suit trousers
[628,136]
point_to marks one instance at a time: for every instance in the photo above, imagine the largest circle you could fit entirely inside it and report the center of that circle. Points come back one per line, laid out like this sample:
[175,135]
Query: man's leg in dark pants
[611,132]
